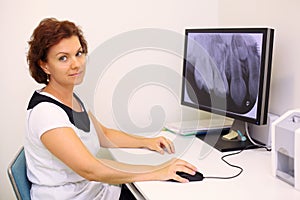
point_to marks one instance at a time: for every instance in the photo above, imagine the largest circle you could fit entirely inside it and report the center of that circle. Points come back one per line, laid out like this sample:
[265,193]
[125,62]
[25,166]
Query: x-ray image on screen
[224,68]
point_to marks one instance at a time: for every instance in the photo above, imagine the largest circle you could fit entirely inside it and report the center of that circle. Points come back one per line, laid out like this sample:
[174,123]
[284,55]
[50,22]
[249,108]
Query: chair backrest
[18,176]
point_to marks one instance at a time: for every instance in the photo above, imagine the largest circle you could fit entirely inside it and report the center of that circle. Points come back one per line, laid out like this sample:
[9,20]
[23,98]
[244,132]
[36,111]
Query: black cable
[254,145]
[232,165]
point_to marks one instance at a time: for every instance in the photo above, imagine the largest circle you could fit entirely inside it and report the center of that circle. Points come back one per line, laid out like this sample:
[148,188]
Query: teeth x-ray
[224,68]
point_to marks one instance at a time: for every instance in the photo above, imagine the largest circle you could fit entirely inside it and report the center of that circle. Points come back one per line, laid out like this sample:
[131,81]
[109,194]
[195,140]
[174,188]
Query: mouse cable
[232,165]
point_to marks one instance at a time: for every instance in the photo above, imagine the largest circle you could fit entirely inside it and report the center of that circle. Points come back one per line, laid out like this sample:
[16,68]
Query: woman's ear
[44,66]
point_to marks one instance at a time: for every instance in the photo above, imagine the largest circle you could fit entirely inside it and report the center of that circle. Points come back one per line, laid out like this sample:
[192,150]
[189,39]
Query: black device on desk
[227,72]
[198,176]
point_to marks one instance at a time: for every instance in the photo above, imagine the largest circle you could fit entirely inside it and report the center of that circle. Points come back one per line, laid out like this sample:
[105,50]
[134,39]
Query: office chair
[18,176]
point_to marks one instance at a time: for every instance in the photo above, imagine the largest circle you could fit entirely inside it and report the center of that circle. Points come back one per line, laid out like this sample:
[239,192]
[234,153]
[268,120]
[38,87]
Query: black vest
[79,119]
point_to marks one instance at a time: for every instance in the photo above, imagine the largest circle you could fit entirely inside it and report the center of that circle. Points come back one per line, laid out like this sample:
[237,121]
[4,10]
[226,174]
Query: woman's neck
[65,95]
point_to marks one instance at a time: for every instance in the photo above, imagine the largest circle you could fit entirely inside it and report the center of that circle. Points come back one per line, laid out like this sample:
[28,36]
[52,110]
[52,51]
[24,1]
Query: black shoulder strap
[78,119]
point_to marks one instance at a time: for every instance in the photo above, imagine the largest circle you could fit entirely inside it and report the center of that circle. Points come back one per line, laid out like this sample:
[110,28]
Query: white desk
[256,181]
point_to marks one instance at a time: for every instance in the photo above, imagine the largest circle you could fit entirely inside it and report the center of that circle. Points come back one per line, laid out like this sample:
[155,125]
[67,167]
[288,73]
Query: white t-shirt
[51,178]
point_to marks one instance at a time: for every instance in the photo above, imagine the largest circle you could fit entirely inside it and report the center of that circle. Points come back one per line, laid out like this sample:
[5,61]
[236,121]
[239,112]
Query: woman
[63,138]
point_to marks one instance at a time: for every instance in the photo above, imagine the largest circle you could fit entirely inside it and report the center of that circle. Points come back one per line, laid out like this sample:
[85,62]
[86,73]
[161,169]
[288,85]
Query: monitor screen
[227,71]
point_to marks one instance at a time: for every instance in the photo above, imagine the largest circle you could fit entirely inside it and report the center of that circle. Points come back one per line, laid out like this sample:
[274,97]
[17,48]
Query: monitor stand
[215,138]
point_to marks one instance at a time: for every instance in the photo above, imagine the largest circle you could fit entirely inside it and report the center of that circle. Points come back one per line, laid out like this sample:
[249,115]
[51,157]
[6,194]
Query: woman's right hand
[167,170]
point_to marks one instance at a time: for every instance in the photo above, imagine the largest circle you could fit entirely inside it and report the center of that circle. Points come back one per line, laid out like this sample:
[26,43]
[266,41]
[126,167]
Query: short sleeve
[46,116]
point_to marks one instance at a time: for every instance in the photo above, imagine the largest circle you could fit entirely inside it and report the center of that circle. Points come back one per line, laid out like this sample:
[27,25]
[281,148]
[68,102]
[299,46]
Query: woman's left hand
[160,144]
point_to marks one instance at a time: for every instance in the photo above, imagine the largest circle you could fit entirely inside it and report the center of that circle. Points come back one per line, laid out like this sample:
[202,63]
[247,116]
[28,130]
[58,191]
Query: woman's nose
[75,62]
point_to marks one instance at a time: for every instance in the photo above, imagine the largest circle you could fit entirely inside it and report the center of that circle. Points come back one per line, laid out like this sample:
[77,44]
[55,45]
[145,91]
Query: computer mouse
[196,177]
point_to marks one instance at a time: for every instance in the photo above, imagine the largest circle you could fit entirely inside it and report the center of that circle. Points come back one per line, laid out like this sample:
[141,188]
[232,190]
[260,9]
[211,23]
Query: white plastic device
[286,148]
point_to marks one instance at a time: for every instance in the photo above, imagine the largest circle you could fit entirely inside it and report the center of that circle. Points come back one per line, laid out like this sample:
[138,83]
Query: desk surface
[256,181]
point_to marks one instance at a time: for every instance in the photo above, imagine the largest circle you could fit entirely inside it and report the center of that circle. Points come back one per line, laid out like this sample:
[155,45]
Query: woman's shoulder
[39,97]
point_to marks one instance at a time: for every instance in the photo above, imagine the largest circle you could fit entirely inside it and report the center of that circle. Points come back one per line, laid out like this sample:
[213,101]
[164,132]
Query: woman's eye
[63,58]
[79,53]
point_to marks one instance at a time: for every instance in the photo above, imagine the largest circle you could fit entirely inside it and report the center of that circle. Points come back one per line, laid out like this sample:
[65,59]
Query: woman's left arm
[112,138]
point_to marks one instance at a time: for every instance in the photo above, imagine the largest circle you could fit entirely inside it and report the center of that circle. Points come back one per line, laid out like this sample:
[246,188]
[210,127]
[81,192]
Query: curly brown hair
[48,33]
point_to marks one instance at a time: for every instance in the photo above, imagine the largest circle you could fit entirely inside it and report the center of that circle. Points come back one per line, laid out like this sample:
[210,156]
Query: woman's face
[66,62]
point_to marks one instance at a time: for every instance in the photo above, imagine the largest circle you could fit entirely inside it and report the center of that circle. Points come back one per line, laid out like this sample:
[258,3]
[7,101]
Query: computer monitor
[227,71]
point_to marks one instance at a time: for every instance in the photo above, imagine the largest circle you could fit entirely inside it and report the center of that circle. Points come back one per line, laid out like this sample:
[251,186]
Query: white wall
[100,21]
[283,17]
